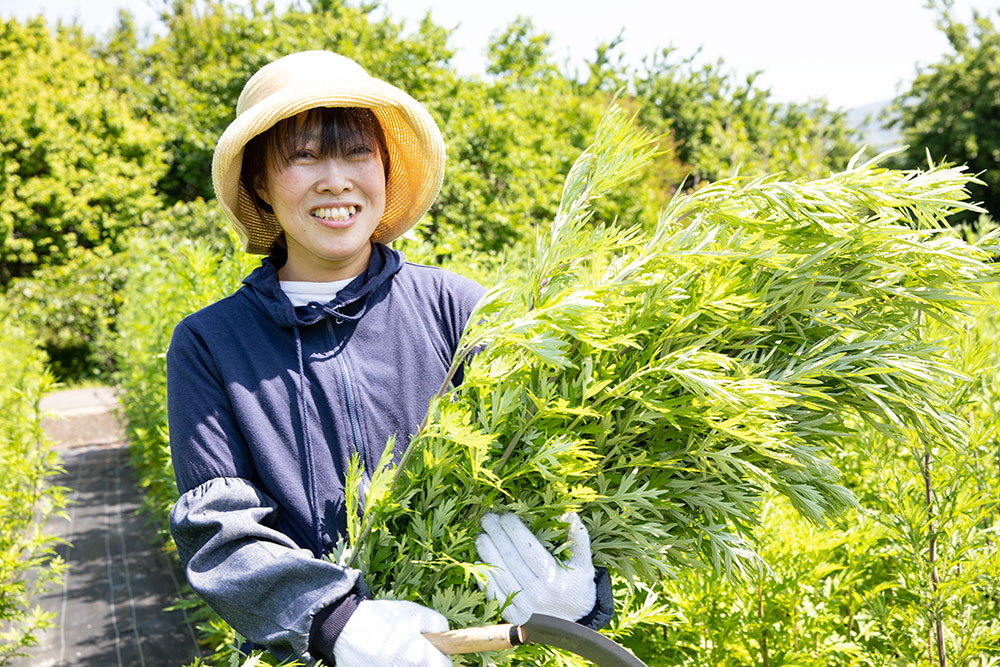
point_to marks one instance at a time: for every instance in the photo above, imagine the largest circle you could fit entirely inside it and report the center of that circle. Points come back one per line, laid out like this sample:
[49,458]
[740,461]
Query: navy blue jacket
[267,404]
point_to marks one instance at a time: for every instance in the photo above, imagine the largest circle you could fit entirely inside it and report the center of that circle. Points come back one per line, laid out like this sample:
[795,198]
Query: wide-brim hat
[311,79]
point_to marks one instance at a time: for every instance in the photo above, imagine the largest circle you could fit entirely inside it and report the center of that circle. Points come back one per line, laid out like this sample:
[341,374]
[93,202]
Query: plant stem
[513,441]
[527,423]
[925,469]
[456,363]
[763,628]
[982,485]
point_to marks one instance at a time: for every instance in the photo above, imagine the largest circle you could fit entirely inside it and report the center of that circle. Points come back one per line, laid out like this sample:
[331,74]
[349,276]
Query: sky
[849,52]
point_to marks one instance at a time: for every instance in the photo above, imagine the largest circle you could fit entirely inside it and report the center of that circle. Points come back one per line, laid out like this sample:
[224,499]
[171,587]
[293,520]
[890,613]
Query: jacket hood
[263,289]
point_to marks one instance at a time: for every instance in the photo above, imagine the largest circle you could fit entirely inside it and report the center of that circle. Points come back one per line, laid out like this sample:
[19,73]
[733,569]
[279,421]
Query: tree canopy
[952,109]
[78,163]
[101,133]
[140,125]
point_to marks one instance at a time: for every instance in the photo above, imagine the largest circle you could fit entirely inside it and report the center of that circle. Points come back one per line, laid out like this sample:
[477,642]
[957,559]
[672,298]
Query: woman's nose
[334,176]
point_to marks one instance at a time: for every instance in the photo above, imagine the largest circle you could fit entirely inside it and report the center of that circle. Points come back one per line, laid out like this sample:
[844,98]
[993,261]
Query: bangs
[336,129]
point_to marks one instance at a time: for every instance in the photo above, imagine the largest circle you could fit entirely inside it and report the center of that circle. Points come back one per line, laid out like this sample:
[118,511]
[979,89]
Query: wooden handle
[474,640]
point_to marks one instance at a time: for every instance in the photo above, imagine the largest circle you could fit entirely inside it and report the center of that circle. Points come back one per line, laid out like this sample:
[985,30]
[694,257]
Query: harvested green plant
[662,382]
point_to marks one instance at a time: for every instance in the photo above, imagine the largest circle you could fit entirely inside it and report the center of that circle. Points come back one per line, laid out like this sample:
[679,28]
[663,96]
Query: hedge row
[29,563]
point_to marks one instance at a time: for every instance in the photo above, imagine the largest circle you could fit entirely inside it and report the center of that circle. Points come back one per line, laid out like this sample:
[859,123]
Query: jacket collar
[262,287]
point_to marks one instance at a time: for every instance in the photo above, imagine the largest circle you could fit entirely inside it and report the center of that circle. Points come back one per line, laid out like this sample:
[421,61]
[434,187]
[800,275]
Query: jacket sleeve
[460,303]
[604,608]
[254,576]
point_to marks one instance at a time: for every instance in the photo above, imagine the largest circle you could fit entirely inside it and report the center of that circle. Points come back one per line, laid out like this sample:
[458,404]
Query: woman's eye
[305,152]
[360,150]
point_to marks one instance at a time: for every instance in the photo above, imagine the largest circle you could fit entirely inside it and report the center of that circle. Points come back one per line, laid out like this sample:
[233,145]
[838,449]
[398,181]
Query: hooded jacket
[267,404]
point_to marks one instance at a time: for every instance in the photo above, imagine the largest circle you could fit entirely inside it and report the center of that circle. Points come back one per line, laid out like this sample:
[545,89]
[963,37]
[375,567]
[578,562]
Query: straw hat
[312,79]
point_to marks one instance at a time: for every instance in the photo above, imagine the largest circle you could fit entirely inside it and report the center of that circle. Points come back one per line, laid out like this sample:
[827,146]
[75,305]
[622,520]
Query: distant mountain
[868,120]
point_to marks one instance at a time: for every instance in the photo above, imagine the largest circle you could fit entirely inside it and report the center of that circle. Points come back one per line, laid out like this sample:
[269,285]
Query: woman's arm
[254,576]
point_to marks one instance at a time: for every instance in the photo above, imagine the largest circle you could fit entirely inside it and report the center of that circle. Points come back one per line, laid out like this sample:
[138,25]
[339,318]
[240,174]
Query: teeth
[335,213]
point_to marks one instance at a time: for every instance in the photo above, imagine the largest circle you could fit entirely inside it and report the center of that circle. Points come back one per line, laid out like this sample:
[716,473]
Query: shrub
[28,561]
[78,164]
[169,277]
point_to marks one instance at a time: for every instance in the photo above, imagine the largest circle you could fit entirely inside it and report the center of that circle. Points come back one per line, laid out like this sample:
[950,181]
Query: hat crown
[297,68]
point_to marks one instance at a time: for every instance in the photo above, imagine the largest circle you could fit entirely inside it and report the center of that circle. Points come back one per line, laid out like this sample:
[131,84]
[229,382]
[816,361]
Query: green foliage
[663,382]
[952,109]
[77,165]
[939,506]
[168,277]
[807,608]
[521,54]
[73,306]
[693,382]
[510,143]
[29,564]
[861,592]
[199,222]
[507,152]
[720,124]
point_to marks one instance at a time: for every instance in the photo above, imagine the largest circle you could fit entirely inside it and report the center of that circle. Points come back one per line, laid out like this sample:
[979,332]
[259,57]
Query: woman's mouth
[335,213]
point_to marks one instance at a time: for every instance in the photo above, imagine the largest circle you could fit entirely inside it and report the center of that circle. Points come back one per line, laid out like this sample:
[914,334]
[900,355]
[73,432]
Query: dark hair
[338,129]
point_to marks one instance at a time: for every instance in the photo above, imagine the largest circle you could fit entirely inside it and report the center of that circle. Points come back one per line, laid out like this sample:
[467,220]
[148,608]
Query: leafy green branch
[662,382]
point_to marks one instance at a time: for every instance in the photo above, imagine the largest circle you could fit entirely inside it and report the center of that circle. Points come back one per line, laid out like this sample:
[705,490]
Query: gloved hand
[520,564]
[388,633]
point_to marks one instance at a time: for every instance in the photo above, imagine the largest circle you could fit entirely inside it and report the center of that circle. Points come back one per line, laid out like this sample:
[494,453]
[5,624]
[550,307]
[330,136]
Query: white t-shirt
[303,293]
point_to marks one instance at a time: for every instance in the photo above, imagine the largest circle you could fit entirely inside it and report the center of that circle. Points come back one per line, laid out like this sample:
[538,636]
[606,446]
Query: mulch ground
[111,607]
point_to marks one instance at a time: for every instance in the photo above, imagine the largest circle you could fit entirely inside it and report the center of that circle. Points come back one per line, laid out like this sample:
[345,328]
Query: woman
[332,346]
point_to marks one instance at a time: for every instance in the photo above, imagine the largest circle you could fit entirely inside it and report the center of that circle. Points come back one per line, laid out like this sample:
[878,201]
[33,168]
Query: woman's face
[328,206]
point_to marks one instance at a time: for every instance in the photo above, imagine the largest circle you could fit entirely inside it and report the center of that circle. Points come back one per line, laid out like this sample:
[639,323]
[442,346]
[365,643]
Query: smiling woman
[322,174]
[332,348]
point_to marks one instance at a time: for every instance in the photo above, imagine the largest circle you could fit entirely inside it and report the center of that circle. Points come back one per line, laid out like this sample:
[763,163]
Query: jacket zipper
[352,414]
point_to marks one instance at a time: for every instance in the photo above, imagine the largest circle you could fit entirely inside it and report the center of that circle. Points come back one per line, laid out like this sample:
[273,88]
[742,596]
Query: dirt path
[110,608]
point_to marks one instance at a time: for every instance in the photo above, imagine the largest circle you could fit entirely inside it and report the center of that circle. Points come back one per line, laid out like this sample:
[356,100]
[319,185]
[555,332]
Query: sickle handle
[474,640]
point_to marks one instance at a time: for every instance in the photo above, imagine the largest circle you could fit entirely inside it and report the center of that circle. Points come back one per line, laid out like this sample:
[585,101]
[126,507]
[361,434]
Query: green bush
[952,108]
[860,592]
[169,277]
[721,123]
[939,506]
[28,561]
[72,306]
[77,163]
[806,609]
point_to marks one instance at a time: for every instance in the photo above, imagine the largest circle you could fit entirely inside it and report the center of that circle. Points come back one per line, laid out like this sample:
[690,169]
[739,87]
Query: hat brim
[416,154]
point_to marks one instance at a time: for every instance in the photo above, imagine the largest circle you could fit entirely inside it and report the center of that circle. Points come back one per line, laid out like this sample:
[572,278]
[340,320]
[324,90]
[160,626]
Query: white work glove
[520,564]
[389,633]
